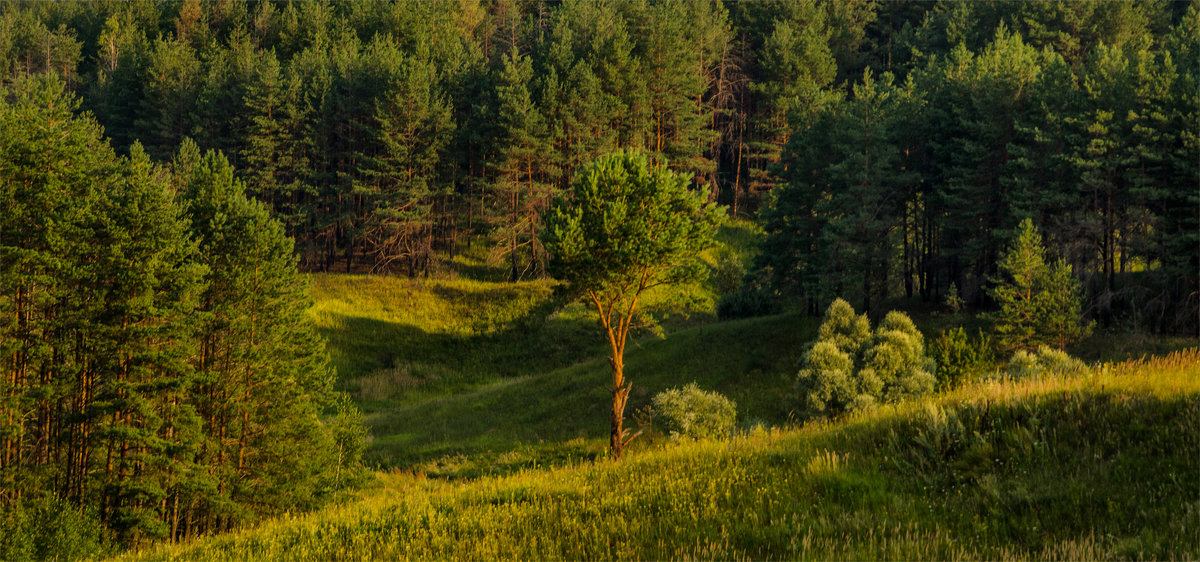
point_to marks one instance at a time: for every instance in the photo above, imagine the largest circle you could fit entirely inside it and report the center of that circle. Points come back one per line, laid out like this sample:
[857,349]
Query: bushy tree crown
[850,367]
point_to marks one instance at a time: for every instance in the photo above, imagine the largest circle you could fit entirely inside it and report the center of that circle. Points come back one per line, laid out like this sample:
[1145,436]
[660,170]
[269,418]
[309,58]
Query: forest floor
[486,406]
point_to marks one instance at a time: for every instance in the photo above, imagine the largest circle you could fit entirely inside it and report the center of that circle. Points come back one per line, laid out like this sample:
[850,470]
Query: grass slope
[464,377]
[396,340]
[1100,465]
[456,373]
[746,360]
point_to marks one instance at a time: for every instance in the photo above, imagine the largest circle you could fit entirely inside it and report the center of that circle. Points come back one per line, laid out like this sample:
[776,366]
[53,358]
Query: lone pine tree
[628,226]
[1039,303]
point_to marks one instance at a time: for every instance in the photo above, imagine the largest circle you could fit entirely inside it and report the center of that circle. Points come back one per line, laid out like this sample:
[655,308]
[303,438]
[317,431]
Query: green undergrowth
[1100,465]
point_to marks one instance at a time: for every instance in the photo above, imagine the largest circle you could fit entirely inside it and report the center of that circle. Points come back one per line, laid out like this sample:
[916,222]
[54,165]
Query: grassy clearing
[742,360]
[493,413]
[397,339]
[462,377]
[1100,465]
[447,367]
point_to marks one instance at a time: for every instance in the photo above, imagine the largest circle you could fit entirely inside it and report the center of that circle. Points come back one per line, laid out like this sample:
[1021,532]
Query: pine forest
[599,279]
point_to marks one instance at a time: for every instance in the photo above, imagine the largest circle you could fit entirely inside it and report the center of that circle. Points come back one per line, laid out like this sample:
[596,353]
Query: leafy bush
[826,381]
[42,528]
[849,332]
[897,359]
[1046,360]
[693,413]
[958,358]
[850,368]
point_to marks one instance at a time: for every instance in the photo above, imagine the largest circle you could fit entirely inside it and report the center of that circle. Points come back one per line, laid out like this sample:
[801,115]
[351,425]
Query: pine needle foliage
[1039,303]
[630,225]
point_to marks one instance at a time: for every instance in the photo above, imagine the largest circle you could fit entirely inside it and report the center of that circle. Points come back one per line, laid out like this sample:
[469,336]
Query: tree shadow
[370,354]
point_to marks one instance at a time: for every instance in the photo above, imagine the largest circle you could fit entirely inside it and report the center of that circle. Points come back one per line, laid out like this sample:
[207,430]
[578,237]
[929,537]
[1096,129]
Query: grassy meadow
[486,404]
[470,374]
[1099,465]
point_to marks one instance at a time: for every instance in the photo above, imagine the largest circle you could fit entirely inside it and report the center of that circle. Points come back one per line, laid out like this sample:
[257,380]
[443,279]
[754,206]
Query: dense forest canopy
[160,376]
[892,147]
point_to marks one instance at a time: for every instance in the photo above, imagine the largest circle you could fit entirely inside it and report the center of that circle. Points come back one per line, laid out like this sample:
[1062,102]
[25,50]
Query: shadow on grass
[750,361]
[371,354]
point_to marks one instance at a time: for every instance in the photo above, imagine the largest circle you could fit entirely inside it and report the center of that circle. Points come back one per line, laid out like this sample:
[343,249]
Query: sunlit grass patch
[1091,466]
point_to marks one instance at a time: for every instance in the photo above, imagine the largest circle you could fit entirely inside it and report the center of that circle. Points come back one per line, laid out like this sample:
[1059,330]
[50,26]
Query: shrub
[850,368]
[1046,360]
[1022,364]
[693,413]
[849,332]
[42,528]
[826,381]
[958,358]
[897,359]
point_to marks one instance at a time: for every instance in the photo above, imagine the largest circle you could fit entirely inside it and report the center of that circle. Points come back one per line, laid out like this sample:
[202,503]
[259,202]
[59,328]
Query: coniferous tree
[170,83]
[413,125]
[834,227]
[1177,205]
[973,114]
[794,65]
[519,193]
[118,88]
[1039,302]
[630,226]
[138,402]
[576,106]
[1109,166]
[264,375]
[52,167]
[675,66]
[98,328]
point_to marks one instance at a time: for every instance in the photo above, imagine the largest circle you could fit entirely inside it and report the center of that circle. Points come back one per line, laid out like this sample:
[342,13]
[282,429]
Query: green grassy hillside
[487,402]
[472,375]
[747,361]
[397,340]
[460,377]
[1101,465]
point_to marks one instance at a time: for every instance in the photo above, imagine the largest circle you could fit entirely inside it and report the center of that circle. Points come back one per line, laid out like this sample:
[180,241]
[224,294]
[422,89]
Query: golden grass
[826,490]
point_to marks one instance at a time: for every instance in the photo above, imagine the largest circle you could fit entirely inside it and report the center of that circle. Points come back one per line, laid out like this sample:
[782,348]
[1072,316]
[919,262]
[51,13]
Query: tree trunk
[620,394]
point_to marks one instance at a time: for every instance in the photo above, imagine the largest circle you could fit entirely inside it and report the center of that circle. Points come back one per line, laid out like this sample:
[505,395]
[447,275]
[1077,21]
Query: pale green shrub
[850,368]
[693,413]
[849,332]
[897,359]
[1046,360]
